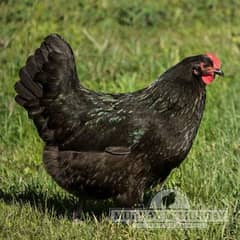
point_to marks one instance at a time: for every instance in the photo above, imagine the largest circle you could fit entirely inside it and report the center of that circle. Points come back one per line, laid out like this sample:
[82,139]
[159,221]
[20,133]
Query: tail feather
[23,91]
[27,81]
[47,73]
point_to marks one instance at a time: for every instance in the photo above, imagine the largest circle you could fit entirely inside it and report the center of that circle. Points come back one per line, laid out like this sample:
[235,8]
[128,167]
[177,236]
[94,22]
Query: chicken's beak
[219,72]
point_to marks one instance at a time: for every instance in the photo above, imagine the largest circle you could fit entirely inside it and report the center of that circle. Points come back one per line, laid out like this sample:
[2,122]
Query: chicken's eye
[197,70]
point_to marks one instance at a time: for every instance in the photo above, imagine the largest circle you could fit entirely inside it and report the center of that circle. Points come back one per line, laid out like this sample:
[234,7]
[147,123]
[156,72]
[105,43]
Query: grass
[120,46]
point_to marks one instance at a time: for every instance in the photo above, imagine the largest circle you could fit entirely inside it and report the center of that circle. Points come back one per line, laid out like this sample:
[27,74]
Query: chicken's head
[208,68]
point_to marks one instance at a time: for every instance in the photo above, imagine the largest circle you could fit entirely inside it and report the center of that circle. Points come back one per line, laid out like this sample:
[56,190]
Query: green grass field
[120,46]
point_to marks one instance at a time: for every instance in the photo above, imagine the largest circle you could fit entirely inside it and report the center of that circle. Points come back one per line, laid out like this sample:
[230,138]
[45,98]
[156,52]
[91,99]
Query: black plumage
[101,145]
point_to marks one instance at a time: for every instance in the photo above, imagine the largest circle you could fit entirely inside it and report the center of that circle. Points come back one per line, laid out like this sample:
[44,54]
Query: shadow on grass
[56,204]
[59,204]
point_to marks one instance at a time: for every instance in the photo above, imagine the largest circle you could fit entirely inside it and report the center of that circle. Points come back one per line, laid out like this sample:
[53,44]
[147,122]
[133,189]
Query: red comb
[215,60]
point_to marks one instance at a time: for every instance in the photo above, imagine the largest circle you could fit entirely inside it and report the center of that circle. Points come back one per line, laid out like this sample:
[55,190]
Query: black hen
[112,145]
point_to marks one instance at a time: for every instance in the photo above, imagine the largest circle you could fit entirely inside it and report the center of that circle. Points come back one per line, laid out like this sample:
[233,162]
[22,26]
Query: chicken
[100,146]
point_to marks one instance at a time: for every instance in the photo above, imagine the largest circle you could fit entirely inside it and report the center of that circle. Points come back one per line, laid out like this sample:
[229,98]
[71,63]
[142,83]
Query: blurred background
[120,46]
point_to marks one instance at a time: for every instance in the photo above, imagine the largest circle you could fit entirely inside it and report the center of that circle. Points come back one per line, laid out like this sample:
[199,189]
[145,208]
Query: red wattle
[207,79]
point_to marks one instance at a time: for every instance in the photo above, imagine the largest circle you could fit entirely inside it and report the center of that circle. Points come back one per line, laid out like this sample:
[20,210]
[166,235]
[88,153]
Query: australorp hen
[101,145]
